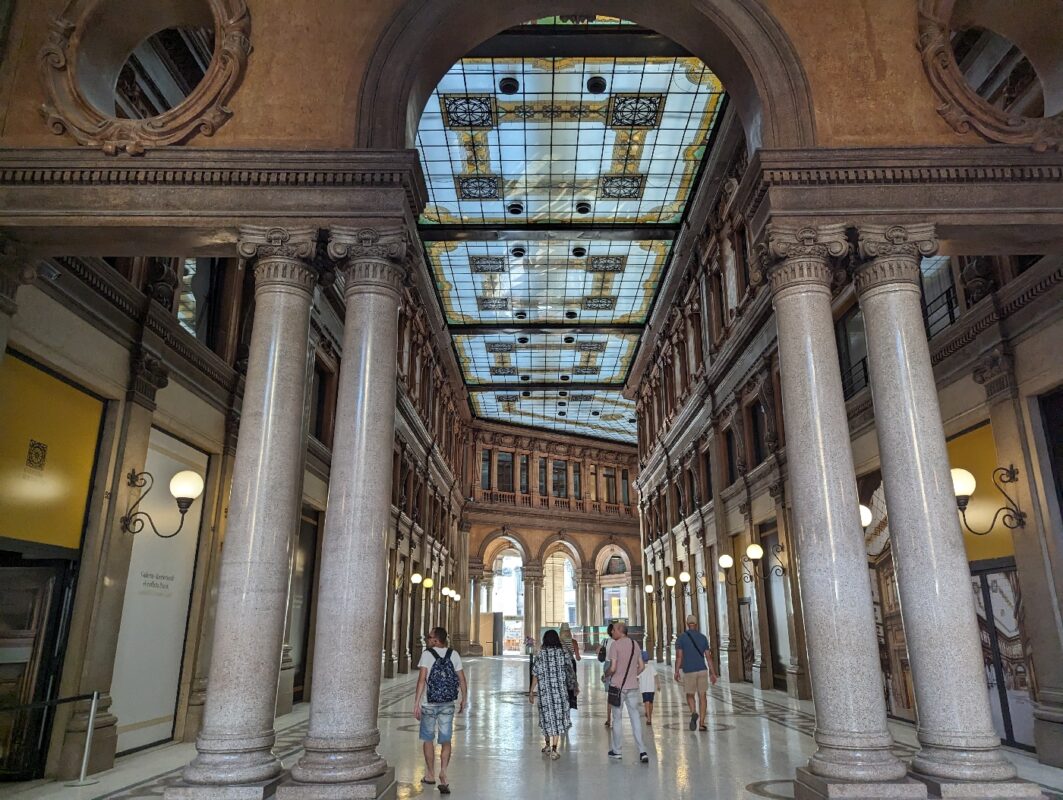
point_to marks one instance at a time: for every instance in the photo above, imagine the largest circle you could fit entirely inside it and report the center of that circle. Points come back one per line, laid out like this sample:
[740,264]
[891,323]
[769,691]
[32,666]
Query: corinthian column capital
[282,255]
[892,253]
[371,257]
[793,256]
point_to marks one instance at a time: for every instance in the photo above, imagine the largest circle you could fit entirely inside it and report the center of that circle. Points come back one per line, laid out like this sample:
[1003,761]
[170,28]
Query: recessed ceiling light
[560,413]
[596,413]
[631,420]
[521,315]
[562,403]
[510,86]
[569,339]
[525,393]
[525,377]
[518,252]
[596,84]
[562,393]
[583,207]
[515,208]
[570,315]
[579,252]
[522,340]
[564,377]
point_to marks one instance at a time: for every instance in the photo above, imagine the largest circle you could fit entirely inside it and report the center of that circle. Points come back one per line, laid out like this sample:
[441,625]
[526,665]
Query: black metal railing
[27,736]
[854,378]
[940,312]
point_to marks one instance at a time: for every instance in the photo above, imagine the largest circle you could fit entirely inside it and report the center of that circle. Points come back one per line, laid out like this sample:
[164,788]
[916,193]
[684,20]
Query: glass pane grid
[605,414]
[518,357]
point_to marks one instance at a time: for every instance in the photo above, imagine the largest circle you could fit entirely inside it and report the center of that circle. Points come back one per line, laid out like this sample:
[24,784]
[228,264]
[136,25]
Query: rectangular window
[542,478]
[576,488]
[625,488]
[560,479]
[758,423]
[732,456]
[609,479]
[707,461]
[940,306]
[197,291]
[524,474]
[485,469]
[594,481]
[852,351]
[505,471]
[318,399]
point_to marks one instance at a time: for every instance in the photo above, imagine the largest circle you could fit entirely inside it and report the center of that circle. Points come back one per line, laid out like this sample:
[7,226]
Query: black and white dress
[551,669]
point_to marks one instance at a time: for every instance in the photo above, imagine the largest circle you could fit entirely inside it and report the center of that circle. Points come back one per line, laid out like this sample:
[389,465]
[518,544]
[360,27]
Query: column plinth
[933,576]
[234,747]
[851,733]
[343,734]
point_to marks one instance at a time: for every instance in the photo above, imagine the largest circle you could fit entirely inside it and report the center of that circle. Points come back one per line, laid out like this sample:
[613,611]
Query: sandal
[703,728]
[427,780]
[554,755]
[546,749]
[444,788]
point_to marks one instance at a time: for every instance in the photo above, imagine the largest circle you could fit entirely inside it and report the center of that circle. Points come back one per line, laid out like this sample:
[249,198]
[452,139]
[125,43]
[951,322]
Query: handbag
[615,698]
[601,653]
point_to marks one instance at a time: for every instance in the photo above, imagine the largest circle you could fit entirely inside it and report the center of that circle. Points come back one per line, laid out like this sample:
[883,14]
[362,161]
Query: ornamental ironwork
[621,187]
[468,111]
[503,371]
[636,110]
[487,264]
[507,398]
[492,303]
[586,370]
[599,303]
[479,187]
[590,347]
[500,347]
[607,264]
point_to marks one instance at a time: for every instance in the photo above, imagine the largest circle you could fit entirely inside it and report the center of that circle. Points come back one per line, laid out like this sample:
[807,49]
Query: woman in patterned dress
[571,648]
[550,676]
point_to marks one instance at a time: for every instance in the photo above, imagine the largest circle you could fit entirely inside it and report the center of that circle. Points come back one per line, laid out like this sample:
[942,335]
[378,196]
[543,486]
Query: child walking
[648,682]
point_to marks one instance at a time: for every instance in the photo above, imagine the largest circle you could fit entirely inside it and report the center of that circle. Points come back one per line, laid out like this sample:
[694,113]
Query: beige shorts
[696,682]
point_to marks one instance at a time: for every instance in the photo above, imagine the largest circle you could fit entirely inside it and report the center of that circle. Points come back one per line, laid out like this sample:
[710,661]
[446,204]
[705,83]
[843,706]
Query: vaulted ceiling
[560,157]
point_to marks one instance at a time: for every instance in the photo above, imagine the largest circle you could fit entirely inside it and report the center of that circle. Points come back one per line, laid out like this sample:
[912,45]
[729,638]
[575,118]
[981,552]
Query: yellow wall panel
[47,449]
[976,452]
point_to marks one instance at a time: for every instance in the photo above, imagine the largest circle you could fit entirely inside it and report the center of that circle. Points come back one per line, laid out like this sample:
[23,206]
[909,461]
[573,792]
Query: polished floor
[754,742]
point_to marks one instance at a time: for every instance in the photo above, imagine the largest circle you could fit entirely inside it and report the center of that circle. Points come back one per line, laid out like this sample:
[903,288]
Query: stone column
[1040,572]
[570,483]
[851,734]
[404,598]
[797,678]
[391,592]
[462,614]
[475,646]
[661,636]
[235,745]
[489,591]
[933,576]
[342,738]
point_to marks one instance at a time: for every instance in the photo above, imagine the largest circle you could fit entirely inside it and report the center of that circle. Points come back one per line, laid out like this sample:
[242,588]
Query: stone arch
[606,550]
[740,41]
[511,538]
[558,543]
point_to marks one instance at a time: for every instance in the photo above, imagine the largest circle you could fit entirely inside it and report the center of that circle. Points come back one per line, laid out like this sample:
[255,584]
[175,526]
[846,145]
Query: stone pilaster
[933,577]
[15,271]
[340,756]
[853,743]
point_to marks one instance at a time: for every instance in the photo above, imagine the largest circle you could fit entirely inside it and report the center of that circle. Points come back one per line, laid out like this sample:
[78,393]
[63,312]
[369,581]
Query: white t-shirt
[427,661]
[609,649]
[648,679]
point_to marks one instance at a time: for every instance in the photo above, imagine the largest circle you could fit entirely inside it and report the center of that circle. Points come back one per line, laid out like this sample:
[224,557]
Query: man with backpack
[692,658]
[440,684]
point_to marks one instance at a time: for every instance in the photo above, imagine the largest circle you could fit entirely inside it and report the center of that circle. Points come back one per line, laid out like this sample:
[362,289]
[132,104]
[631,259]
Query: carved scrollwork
[790,255]
[960,106]
[69,110]
[892,253]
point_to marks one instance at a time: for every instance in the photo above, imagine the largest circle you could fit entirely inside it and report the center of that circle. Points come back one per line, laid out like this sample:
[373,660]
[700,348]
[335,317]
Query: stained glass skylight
[556,185]
[604,414]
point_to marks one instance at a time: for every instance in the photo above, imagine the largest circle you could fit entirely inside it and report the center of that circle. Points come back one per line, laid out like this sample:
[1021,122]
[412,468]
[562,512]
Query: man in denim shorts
[440,686]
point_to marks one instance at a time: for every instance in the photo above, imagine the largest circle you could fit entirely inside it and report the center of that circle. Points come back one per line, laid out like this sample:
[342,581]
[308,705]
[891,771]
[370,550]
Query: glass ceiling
[555,189]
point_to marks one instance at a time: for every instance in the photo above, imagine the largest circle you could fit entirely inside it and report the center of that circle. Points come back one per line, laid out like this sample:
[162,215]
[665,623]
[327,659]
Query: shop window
[852,350]
[625,488]
[485,469]
[609,479]
[560,479]
[505,471]
[524,474]
[576,488]
[731,446]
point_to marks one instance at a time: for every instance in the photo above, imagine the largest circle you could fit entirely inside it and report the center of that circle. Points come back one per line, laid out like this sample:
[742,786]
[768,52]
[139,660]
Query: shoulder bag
[614,691]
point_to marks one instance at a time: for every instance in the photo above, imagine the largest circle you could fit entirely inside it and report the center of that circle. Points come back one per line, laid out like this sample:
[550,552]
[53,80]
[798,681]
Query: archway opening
[505,598]
[559,591]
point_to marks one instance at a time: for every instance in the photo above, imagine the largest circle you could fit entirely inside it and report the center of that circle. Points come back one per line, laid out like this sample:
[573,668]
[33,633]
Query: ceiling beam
[510,233]
[517,329]
[551,43]
[546,386]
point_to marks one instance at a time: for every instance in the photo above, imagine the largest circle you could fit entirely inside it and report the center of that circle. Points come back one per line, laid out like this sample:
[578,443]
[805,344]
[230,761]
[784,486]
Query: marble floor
[754,742]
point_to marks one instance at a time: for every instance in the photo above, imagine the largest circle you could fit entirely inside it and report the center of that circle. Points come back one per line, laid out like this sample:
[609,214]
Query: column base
[1048,734]
[476,649]
[808,786]
[380,788]
[248,791]
[389,666]
[980,790]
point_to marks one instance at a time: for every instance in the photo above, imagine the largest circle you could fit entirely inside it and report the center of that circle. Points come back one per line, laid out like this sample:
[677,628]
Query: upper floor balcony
[538,502]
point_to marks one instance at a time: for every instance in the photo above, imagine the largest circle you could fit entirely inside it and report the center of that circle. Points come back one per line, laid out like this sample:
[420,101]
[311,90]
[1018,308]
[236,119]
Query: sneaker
[693,722]
[617,756]
[643,758]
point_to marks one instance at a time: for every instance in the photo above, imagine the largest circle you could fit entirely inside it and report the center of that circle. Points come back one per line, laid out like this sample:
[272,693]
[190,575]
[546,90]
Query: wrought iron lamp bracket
[1008,514]
[134,519]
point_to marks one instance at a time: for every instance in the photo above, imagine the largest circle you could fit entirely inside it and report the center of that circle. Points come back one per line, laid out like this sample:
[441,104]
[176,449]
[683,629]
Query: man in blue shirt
[693,659]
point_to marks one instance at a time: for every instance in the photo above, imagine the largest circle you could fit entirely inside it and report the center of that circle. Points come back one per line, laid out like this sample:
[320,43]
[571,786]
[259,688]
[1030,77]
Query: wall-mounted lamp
[185,487]
[963,484]
[669,582]
[428,583]
[416,579]
[865,516]
[752,564]
[649,588]
[698,585]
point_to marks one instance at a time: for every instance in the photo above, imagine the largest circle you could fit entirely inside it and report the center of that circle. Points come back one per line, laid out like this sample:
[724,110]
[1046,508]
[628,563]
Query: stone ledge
[252,791]
[812,787]
[961,790]
[382,788]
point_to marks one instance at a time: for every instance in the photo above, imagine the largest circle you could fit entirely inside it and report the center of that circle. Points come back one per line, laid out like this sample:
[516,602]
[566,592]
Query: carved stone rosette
[960,106]
[282,255]
[891,254]
[373,259]
[792,256]
[82,25]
